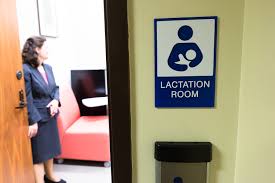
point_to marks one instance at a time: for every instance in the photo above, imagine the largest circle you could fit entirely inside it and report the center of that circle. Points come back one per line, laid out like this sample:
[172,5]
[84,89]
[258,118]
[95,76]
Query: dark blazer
[39,93]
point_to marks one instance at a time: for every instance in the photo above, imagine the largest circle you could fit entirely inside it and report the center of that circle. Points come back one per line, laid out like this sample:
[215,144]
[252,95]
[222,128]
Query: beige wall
[256,137]
[217,125]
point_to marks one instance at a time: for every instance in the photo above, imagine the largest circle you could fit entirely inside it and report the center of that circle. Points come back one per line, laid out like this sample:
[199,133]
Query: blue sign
[185,62]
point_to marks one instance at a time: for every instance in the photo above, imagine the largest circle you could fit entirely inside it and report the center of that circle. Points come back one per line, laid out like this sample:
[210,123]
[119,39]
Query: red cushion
[69,110]
[87,139]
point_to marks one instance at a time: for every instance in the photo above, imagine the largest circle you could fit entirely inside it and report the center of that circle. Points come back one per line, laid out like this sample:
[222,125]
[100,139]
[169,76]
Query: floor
[83,172]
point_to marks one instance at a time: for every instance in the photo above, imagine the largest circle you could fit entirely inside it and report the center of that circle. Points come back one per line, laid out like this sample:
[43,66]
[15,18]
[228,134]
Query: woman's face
[42,52]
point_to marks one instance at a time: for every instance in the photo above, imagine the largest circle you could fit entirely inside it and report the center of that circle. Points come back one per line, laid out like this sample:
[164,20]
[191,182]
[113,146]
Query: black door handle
[21,105]
[22,102]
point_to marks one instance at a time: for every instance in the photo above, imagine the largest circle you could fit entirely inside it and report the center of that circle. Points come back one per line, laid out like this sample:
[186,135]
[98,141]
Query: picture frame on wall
[47,18]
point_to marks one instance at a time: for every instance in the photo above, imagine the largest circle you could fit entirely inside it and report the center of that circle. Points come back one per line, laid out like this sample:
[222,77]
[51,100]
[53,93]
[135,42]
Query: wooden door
[15,150]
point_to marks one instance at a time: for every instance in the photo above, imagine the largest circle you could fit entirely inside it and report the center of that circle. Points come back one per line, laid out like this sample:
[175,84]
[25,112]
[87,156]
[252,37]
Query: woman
[42,102]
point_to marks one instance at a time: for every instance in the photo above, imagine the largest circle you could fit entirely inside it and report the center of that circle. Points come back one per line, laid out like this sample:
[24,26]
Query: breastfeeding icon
[187,54]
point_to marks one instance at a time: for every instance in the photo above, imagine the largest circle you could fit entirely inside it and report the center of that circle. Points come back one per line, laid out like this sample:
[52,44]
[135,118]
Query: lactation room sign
[185,61]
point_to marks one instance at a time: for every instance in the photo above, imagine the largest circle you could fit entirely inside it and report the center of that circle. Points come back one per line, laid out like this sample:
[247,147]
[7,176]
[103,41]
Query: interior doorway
[115,34]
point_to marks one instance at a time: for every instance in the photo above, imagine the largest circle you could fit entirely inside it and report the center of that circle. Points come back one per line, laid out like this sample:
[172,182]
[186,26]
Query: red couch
[81,137]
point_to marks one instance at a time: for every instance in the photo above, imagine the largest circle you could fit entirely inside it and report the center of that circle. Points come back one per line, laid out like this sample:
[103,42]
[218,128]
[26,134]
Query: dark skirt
[46,143]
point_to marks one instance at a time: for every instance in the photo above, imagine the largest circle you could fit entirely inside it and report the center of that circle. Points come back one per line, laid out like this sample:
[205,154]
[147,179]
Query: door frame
[117,56]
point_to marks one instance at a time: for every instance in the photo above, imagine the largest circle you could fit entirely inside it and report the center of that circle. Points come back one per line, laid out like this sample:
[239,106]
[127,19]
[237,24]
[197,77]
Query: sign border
[156,20]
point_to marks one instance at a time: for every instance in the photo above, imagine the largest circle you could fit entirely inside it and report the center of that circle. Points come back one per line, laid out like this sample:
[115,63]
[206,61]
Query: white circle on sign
[191,54]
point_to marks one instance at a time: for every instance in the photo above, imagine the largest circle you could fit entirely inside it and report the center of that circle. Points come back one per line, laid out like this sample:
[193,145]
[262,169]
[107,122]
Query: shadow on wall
[215,165]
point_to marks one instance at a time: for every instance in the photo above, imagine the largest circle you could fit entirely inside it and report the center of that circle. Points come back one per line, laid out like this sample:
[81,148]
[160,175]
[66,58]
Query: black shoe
[49,181]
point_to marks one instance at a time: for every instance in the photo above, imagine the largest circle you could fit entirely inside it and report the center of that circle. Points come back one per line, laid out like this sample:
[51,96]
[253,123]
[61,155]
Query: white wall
[81,35]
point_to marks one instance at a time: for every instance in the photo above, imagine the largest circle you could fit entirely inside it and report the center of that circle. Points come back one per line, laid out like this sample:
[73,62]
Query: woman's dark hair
[29,54]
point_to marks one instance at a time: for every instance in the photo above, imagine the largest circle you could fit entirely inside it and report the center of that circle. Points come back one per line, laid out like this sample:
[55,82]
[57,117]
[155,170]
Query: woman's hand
[33,129]
[53,105]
